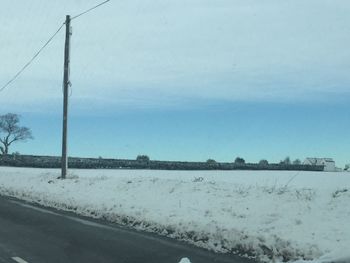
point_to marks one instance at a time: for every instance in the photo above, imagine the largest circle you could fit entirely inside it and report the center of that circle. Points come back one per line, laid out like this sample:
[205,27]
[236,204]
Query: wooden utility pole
[66,84]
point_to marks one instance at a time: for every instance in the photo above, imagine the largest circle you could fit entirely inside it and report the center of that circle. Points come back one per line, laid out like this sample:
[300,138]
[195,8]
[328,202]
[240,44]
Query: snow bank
[185,260]
[273,216]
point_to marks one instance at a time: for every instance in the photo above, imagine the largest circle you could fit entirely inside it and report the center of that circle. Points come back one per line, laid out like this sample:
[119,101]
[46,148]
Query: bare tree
[239,160]
[263,162]
[142,158]
[297,162]
[11,132]
[286,161]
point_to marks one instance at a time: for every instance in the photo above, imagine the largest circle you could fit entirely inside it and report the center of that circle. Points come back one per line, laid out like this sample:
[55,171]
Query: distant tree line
[144,162]
[11,132]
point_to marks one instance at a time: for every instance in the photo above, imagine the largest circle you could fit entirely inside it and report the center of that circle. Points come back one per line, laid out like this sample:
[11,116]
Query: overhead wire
[90,9]
[76,16]
[46,43]
[32,59]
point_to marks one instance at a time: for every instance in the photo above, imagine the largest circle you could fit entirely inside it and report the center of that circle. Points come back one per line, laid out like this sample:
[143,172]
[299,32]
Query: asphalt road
[36,235]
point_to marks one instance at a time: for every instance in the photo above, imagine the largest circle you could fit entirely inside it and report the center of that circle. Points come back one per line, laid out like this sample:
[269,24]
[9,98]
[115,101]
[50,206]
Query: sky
[183,80]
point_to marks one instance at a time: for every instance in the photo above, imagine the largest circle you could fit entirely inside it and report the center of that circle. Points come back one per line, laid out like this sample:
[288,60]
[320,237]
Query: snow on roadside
[185,260]
[259,214]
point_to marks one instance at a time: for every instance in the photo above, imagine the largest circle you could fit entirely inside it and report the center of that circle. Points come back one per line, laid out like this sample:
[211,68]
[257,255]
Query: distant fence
[16,160]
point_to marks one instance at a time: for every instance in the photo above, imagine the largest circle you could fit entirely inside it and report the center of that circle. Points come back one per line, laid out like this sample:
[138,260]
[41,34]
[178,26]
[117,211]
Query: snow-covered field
[274,216]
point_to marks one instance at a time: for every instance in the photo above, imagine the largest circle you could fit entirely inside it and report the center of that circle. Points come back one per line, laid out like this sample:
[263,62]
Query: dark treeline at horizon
[143,162]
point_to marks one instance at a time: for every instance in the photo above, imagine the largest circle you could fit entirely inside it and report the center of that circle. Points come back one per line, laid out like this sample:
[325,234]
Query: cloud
[161,53]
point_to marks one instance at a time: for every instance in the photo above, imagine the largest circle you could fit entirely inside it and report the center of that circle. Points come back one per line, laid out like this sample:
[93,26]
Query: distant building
[328,163]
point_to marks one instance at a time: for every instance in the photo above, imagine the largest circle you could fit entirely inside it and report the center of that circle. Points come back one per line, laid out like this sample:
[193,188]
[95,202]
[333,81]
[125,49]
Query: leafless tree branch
[11,132]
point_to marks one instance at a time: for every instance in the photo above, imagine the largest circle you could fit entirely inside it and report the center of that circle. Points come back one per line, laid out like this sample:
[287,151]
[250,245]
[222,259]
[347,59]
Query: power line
[32,59]
[46,43]
[90,9]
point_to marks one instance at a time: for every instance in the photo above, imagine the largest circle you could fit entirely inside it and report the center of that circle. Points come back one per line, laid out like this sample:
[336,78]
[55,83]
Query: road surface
[35,235]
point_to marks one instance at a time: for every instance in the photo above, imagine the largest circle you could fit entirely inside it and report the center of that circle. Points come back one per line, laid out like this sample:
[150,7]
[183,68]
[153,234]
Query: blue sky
[184,80]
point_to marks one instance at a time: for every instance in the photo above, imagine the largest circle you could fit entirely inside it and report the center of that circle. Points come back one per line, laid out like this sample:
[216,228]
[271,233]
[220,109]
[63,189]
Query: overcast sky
[188,59]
